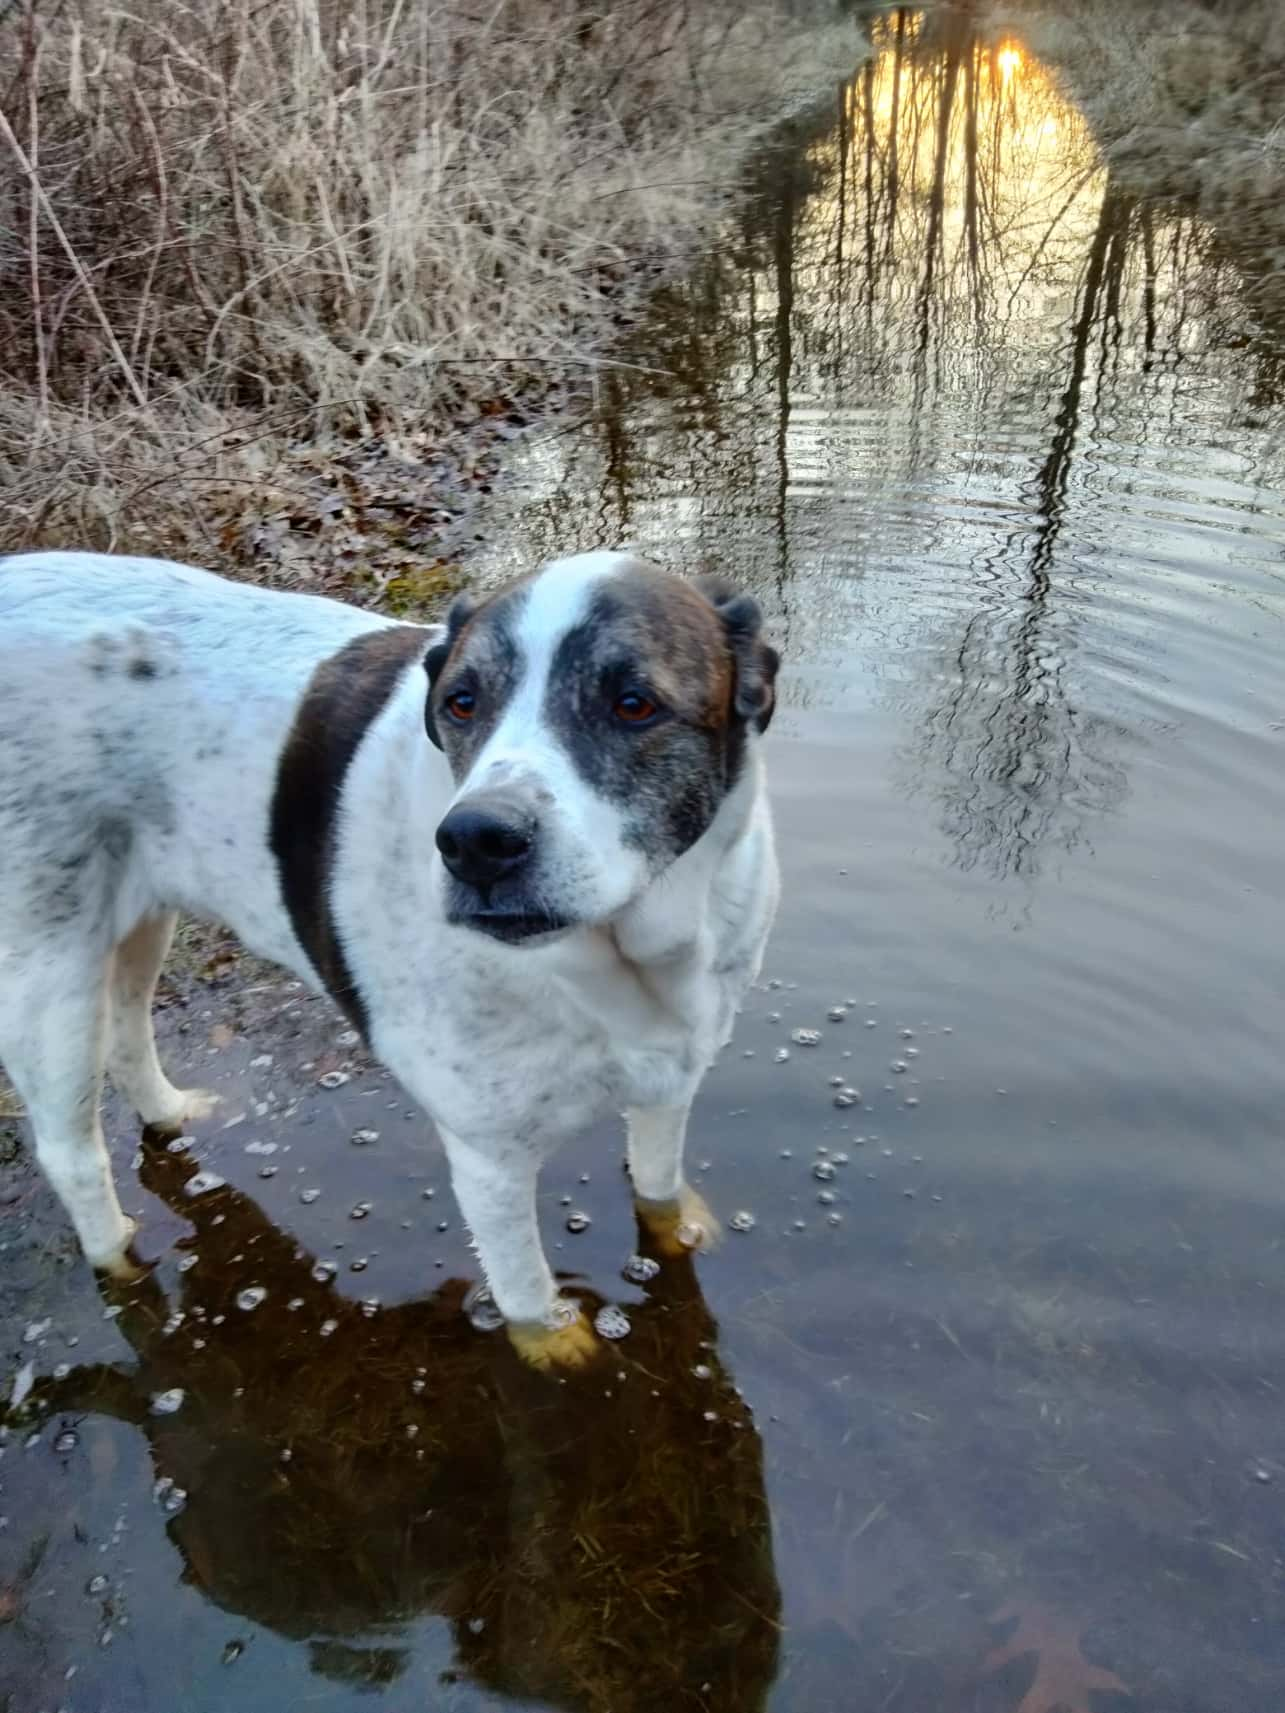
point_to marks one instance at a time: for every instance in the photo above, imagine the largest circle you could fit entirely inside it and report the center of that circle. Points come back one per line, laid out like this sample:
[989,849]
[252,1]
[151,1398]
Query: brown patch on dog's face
[655,645]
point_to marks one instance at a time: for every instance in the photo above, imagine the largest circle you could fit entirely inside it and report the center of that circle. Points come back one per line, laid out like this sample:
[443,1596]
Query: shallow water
[1004,1422]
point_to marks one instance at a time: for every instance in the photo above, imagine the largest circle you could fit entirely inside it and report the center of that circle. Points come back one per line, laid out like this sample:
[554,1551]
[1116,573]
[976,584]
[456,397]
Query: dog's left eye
[635,709]
[461,706]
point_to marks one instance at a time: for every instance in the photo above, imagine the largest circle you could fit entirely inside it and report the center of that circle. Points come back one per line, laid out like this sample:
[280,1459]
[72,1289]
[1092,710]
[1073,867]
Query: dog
[529,853]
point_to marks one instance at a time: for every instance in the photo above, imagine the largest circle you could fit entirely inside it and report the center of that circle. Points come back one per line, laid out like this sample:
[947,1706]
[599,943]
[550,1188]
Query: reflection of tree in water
[935,296]
[1023,766]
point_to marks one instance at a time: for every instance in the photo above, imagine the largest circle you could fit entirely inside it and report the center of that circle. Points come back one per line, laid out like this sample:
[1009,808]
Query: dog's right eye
[461,705]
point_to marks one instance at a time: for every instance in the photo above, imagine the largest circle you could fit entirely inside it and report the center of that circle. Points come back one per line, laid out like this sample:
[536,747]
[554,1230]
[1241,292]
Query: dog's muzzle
[488,844]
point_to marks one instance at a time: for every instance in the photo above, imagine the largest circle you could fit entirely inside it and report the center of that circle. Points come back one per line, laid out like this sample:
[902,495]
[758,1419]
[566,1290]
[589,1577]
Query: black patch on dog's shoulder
[347,692]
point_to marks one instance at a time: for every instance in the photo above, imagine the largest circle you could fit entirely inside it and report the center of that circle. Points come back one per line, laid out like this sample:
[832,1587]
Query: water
[997,445]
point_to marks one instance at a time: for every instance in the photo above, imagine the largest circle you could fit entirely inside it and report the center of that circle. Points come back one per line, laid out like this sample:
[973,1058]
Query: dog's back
[121,676]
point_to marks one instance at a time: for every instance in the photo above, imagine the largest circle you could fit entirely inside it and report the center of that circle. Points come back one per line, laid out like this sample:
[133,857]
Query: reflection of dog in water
[601,1546]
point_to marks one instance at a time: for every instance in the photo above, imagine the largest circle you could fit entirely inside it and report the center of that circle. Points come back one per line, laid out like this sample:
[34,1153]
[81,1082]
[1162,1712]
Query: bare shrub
[231,228]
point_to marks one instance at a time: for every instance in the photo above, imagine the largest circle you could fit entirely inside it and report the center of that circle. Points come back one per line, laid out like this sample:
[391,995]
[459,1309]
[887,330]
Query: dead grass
[1186,97]
[257,253]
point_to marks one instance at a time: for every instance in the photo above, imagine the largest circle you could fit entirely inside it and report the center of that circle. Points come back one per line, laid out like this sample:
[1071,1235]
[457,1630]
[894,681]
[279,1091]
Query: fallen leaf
[1063,1676]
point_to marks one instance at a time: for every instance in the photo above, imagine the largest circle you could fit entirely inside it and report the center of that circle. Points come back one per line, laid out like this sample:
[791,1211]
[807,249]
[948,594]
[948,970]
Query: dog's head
[595,716]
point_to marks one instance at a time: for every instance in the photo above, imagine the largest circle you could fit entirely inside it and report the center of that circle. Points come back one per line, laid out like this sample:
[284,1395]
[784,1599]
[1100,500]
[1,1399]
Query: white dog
[544,915]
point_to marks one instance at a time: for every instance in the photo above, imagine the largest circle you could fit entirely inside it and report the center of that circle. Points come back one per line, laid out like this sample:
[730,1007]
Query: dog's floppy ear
[755,661]
[461,612]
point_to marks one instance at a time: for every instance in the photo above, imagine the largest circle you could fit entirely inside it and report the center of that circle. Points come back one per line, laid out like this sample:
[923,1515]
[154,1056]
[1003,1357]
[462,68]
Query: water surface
[1001,1421]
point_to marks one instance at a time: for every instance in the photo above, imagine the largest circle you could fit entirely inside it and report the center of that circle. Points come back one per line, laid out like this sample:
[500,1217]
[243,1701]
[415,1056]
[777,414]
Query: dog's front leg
[495,1189]
[670,1210]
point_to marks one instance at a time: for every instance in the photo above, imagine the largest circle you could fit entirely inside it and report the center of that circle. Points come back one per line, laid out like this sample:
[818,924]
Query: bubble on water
[744,1220]
[872,1022]
[887,1153]
[909,1194]
[847,1096]
[837,1013]
[800,1225]
[691,1234]
[307,1197]
[370,1307]
[251,1296]
[912,1100]
[773,983]
[295,1304]
[787,1153]
[200,1182]
[179,1145]
[347,1038]
[781,1055]
[417,1386]
[1262,1475]
[36,1329]
[806,1037]
[267,1171]
[774,1016]
[611,1322]
[261,1147]
[359,1210]
[173,1323]
[639,1269]
[168,1403]
[333,1079]
[711,1415]
[840,1159]
[834,1219]
[427,1194]
[912,1052]
[67,1440]
[823,1171]
[899,1065]
[232,1652]
[481,1313]
[327,1327]
[363,1138]
[358,1264]
[826,1197]
[97,1584]
[442,1225]
[577,1222]
[835,1082]
[702,1371]
[324,1271]
[562,1313]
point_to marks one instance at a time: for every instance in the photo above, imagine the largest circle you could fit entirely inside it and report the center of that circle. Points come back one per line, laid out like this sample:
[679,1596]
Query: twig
[50,214]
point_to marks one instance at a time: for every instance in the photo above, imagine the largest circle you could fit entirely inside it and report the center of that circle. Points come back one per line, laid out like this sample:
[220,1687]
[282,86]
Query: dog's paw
[679,1227]
[120,1263]
[181,1107]
[555,1349]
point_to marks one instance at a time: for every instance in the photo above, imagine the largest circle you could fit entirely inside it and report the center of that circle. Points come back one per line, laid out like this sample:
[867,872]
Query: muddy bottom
[983,1408]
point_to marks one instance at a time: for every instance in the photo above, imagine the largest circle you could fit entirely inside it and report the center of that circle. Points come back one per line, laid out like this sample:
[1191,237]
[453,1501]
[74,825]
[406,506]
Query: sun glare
[1009,60]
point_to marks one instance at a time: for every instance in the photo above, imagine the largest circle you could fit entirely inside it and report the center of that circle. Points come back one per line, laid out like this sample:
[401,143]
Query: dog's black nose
[483,842]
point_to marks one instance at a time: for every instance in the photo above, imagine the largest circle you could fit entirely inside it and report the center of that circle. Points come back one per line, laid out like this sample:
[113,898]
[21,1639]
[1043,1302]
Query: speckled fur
[146,712]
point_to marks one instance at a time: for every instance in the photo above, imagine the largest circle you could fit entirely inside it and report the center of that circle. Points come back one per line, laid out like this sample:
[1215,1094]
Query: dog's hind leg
[669,1209]
[53,1021]
[132,1061]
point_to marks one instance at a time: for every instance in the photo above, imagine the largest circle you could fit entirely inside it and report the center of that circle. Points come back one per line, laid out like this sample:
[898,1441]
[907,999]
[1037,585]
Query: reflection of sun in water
[1009,60]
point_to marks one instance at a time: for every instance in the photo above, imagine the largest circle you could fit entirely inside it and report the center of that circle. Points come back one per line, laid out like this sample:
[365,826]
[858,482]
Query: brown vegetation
[283,274]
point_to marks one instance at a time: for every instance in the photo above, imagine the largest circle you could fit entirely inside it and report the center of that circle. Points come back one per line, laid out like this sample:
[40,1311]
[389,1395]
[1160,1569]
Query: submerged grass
[297,264]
